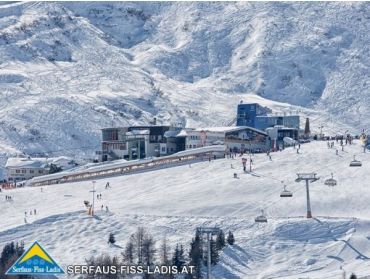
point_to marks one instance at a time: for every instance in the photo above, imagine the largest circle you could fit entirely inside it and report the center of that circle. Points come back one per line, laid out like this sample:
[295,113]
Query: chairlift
[286,193]
[261,219]
[355,163]
[331,182]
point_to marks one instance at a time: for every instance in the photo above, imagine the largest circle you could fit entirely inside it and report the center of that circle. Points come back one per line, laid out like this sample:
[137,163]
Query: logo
[35,261]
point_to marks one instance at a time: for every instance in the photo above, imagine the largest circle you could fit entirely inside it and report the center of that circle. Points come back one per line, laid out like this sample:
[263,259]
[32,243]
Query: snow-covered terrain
[69,69]
[173,202]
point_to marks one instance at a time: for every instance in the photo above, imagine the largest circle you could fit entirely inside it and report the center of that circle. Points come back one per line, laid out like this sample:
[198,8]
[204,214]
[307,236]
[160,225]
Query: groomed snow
[174,201]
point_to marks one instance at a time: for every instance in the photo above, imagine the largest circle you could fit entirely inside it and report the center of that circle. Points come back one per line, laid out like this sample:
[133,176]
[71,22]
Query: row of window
[118,146]
[191,146]
[24,171]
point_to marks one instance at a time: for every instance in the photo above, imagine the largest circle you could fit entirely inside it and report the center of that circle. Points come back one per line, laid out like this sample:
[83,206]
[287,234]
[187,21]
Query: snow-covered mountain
[69,69]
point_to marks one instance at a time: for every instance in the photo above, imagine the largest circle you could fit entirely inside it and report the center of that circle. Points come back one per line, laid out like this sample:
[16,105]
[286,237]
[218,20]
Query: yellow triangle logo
[35,250]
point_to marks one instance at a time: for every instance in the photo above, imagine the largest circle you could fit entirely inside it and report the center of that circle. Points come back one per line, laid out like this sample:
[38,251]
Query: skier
[270,157]
[107,185]
[298,151]
[25,220]
[102,207]
[232,167]
[25,213]
[235,176]
[34,211]
[106,208]
[30,212]
[336,151]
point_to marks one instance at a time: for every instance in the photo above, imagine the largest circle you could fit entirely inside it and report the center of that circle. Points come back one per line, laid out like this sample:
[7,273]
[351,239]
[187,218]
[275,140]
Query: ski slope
[172,202]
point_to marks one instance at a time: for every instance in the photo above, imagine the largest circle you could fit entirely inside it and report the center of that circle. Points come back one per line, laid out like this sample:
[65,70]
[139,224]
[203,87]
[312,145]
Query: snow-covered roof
[138,132]
[171,133]
[26,162]
[182,133]
[226,129]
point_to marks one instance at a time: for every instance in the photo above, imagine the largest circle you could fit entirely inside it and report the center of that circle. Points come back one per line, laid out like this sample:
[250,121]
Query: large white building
[20,169]
[237,138]
[25,168]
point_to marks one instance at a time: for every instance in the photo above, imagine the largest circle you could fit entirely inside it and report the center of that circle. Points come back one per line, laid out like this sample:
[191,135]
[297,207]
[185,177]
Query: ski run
[172,202]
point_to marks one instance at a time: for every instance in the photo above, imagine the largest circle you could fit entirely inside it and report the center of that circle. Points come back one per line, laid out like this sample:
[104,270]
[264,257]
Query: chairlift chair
[331,182]
[355,163]
[261,218]
[286,193]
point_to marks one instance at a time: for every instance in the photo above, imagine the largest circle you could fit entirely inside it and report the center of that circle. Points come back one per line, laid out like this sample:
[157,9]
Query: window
[17,171]
[163,149]
[24,171]
[40,171]
[32,171]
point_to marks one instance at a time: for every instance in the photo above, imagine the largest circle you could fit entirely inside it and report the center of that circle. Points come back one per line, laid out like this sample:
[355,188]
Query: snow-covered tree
[111,239]
[230,238]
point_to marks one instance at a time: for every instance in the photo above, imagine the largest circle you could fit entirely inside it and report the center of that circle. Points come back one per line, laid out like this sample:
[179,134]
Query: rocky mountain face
[69,69]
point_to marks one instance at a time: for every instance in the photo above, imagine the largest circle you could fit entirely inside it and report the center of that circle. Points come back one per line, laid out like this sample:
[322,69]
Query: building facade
[239,138]
[137,142]
[256,116]
[21,169]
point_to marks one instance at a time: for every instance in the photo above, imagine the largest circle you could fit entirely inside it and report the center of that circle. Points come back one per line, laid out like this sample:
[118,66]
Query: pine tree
[128,254]
[111,239]
[164,251]
[307,130]
[54,169]
[178,257]
[148,252]
[11,252]
[230,238]
[196,256]
[220,240]
[214,252]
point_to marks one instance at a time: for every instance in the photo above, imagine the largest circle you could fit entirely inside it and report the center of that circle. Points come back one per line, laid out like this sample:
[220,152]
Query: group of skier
[330,144]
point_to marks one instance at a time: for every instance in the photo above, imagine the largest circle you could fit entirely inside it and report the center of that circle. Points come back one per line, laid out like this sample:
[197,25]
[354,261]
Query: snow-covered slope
[174,201]
[69,69]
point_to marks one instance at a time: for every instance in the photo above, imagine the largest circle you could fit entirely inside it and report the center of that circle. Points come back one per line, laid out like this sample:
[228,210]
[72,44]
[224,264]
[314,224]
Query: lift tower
[309,178]
[209,231]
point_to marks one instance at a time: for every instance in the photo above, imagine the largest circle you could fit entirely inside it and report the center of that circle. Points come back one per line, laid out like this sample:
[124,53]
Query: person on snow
[34,211]
[102,207]
[106,208]
[107,185]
